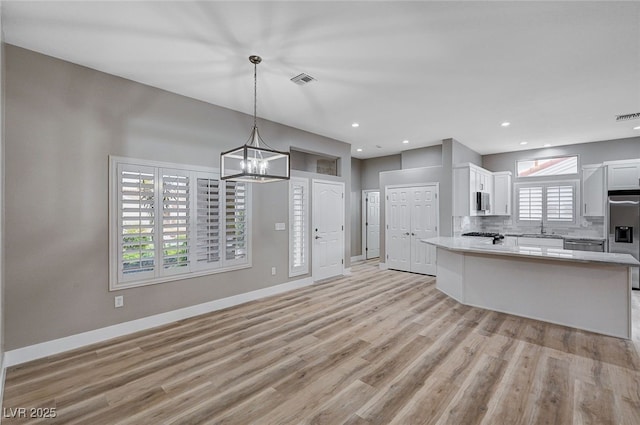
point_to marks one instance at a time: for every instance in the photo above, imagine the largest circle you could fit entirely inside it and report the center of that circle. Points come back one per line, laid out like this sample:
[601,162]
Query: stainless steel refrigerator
[624,227]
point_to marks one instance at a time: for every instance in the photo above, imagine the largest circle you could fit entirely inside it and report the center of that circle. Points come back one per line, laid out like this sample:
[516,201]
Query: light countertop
[484,246]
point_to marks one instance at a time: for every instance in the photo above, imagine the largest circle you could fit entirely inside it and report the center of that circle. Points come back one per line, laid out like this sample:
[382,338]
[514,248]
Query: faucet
[542,231]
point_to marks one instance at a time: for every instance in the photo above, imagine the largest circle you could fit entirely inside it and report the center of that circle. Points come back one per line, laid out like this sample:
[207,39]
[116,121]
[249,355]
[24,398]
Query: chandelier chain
[255,94]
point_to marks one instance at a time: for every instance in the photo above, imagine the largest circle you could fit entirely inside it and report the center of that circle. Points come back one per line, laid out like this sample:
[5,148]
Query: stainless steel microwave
[482,201]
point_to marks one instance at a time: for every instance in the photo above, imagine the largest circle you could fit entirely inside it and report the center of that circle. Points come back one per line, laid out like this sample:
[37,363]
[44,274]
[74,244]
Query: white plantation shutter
[236,223]
[169,222]
[208,222]
[530,203]
[136,226]
[560,203]
[175,221]
[298,226]
[551,202]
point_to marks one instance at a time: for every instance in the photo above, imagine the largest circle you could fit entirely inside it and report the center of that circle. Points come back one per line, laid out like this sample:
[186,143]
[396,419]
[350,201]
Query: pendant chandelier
[255,161]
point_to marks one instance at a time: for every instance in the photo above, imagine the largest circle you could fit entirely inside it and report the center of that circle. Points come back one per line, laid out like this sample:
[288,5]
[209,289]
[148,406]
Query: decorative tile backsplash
[590,227]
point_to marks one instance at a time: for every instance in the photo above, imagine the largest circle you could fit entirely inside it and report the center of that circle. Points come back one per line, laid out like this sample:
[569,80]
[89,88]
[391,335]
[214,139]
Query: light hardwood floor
[377,347]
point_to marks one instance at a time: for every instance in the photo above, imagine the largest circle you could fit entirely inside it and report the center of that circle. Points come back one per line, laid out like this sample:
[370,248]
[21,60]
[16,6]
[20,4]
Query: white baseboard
[346,271]
[383,266]
[357,258]
[3,374]
[49,348]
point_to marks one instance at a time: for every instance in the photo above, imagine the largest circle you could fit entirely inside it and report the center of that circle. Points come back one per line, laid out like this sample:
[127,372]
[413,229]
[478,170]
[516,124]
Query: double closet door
[411,215]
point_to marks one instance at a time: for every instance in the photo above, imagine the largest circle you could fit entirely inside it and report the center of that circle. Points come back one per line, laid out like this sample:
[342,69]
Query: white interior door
[328,229]
[372,220]
[412,215]
[424,224]
[398,217]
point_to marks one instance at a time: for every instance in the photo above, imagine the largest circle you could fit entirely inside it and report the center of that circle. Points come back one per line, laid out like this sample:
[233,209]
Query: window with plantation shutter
[298,226]
[560,203]
[136,225]
[170,222]
[530,203]
[208,222]
[549,202]
[175,221]
[235,234]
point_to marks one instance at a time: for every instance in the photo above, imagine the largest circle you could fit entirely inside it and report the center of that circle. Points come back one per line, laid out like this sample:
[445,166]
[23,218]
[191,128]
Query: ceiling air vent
[628,117]
[303,79]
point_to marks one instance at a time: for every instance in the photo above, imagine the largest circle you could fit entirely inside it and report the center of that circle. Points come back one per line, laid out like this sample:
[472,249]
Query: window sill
[165,279]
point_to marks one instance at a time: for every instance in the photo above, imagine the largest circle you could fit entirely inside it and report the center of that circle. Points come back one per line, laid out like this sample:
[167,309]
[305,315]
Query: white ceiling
[559,72]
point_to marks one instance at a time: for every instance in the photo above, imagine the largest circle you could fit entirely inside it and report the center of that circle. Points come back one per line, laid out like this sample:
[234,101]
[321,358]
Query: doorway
[371,223]
[411,215]
[327,229]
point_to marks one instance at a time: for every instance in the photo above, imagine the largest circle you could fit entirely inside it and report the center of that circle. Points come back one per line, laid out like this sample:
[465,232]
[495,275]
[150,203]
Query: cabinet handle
[505,208]
[482,186]
[585,207]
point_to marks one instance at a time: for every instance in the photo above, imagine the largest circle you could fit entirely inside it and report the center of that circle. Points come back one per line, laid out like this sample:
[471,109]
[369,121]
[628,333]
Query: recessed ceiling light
[636,128]
[405,141]
[355,124]
[359,150]
[523,143]
[546,145]
[505,124]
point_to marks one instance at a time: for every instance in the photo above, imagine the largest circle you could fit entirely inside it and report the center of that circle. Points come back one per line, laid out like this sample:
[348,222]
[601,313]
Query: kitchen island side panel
[593,297]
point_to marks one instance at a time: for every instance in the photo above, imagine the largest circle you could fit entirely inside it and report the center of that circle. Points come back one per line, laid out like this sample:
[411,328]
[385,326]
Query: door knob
[407,234]
[413,234]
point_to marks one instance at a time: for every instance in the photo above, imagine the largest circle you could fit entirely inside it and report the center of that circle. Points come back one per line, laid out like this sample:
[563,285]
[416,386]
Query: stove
[497,237]
[483,234]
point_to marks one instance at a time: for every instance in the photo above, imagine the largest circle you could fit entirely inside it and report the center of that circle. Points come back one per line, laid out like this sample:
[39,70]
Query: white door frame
[363,220]
[386,210]
[313,222]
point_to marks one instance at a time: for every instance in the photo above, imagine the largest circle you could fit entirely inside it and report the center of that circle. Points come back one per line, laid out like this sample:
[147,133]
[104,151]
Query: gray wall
[413,176]
[590,153]
[372,167]
[2,270]
[462,154]
[62,123]
[453,152]
[422,157]
[356,207]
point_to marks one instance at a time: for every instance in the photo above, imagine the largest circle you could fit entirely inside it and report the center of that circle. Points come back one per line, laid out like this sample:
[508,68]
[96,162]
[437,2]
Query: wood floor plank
[593,405]
[376,347]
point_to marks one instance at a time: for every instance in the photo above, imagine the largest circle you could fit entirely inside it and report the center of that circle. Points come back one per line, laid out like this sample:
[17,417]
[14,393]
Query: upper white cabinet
[468,180]
[623,175]
[593,190]
[501,204]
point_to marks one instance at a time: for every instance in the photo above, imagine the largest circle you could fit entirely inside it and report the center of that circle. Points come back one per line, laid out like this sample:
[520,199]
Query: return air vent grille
[303,79]
[628,117]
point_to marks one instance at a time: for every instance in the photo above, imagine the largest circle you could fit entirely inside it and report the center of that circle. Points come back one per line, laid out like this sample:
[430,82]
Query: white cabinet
[593,191]
[501,204]
[468,179]
[623,175]
[540,242]
[510,241]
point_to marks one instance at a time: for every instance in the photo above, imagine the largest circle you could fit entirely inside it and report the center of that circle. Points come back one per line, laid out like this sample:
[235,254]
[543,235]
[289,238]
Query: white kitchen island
[580,289]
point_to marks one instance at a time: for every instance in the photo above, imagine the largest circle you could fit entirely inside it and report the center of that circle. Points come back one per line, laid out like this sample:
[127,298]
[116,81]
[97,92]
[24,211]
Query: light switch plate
[119,301]
[280,226]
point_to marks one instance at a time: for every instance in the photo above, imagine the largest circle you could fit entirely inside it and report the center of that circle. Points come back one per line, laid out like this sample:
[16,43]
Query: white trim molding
[56,346]
[382,266]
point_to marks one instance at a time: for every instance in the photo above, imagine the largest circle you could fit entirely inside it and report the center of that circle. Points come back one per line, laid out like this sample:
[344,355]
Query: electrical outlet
[273,271]
[119,301]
